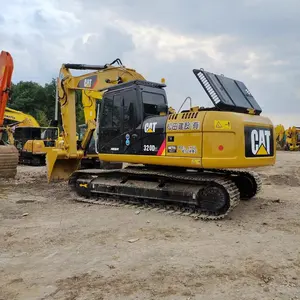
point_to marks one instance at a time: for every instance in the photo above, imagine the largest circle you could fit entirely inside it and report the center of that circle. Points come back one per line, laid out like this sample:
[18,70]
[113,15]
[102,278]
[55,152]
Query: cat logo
[260,142]
[87,83]
[150,127]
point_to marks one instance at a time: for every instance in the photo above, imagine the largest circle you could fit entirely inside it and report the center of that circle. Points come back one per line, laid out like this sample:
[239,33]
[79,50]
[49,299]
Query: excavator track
[206,195]
[248,182]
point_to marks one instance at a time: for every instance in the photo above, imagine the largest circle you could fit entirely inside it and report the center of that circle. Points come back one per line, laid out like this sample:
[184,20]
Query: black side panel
[226,93]
[258,141]
[154,134]
[88,82]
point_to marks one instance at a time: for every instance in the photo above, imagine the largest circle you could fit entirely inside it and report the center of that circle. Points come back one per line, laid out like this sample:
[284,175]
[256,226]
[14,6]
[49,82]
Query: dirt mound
[281,179]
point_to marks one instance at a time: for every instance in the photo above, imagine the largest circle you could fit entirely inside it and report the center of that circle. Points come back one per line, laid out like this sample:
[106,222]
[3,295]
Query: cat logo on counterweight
[258,142]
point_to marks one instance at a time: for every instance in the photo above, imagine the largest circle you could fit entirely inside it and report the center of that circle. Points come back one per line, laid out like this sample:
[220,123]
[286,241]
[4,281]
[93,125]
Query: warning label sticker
[222,125]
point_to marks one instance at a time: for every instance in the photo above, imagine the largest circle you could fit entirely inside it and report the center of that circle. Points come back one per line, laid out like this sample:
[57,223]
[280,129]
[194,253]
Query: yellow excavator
[34,142]
[287,139]
[293,138]
[31,140]
[280,135]
[194,161]
[9,155]
[14,118]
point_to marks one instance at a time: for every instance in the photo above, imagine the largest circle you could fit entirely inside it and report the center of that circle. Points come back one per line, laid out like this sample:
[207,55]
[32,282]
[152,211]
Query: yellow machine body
[33,143]
[218,142]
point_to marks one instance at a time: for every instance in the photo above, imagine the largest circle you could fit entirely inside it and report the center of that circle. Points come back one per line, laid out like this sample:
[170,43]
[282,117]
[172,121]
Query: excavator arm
[6,71]
[8,154]
[62,162]
[19,118]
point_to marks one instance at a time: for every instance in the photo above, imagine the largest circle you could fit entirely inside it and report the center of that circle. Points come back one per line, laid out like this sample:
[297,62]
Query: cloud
[254,41]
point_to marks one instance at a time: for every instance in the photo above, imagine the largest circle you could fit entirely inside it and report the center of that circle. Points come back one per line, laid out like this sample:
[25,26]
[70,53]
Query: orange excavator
[9,155]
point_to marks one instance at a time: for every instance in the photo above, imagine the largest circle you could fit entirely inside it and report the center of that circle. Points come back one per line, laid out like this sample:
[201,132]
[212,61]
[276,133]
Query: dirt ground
[55,248]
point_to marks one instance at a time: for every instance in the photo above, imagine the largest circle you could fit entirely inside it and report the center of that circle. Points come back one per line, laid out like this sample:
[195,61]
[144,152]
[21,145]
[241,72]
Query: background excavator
[188,160]
[13,119]
[287,139]
[280,135]
[34,142]
[9,155]
[25,133]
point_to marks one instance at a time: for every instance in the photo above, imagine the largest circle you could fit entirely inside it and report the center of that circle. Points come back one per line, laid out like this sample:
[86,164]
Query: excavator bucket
[9,155]
[58,167]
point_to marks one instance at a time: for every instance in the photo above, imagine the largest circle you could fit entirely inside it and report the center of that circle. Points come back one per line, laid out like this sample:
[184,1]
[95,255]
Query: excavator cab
[128,113]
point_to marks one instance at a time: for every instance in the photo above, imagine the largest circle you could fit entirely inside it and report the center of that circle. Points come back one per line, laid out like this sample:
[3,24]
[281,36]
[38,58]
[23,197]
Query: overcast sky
[255,41]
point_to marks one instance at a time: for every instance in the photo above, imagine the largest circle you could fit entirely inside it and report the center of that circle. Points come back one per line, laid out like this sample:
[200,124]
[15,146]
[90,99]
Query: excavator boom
[62,162]
[6,71]
[8,154]
[19,118]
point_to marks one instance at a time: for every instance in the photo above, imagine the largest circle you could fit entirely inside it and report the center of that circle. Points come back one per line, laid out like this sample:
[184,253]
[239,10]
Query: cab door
[120,123]
[131,123]
[110,127]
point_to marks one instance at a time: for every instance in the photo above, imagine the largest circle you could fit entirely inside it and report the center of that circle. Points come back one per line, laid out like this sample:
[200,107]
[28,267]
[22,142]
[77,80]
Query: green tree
[39,101]
[50,90]
[42,118]
[26,96]
[79,109]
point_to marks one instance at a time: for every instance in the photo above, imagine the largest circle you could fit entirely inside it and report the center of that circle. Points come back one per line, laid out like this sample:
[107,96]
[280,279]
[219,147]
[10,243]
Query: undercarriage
[207,194]
[32,159]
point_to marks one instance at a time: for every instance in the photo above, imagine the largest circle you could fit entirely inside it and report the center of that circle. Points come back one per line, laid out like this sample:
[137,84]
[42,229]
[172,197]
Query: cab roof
[134,82]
